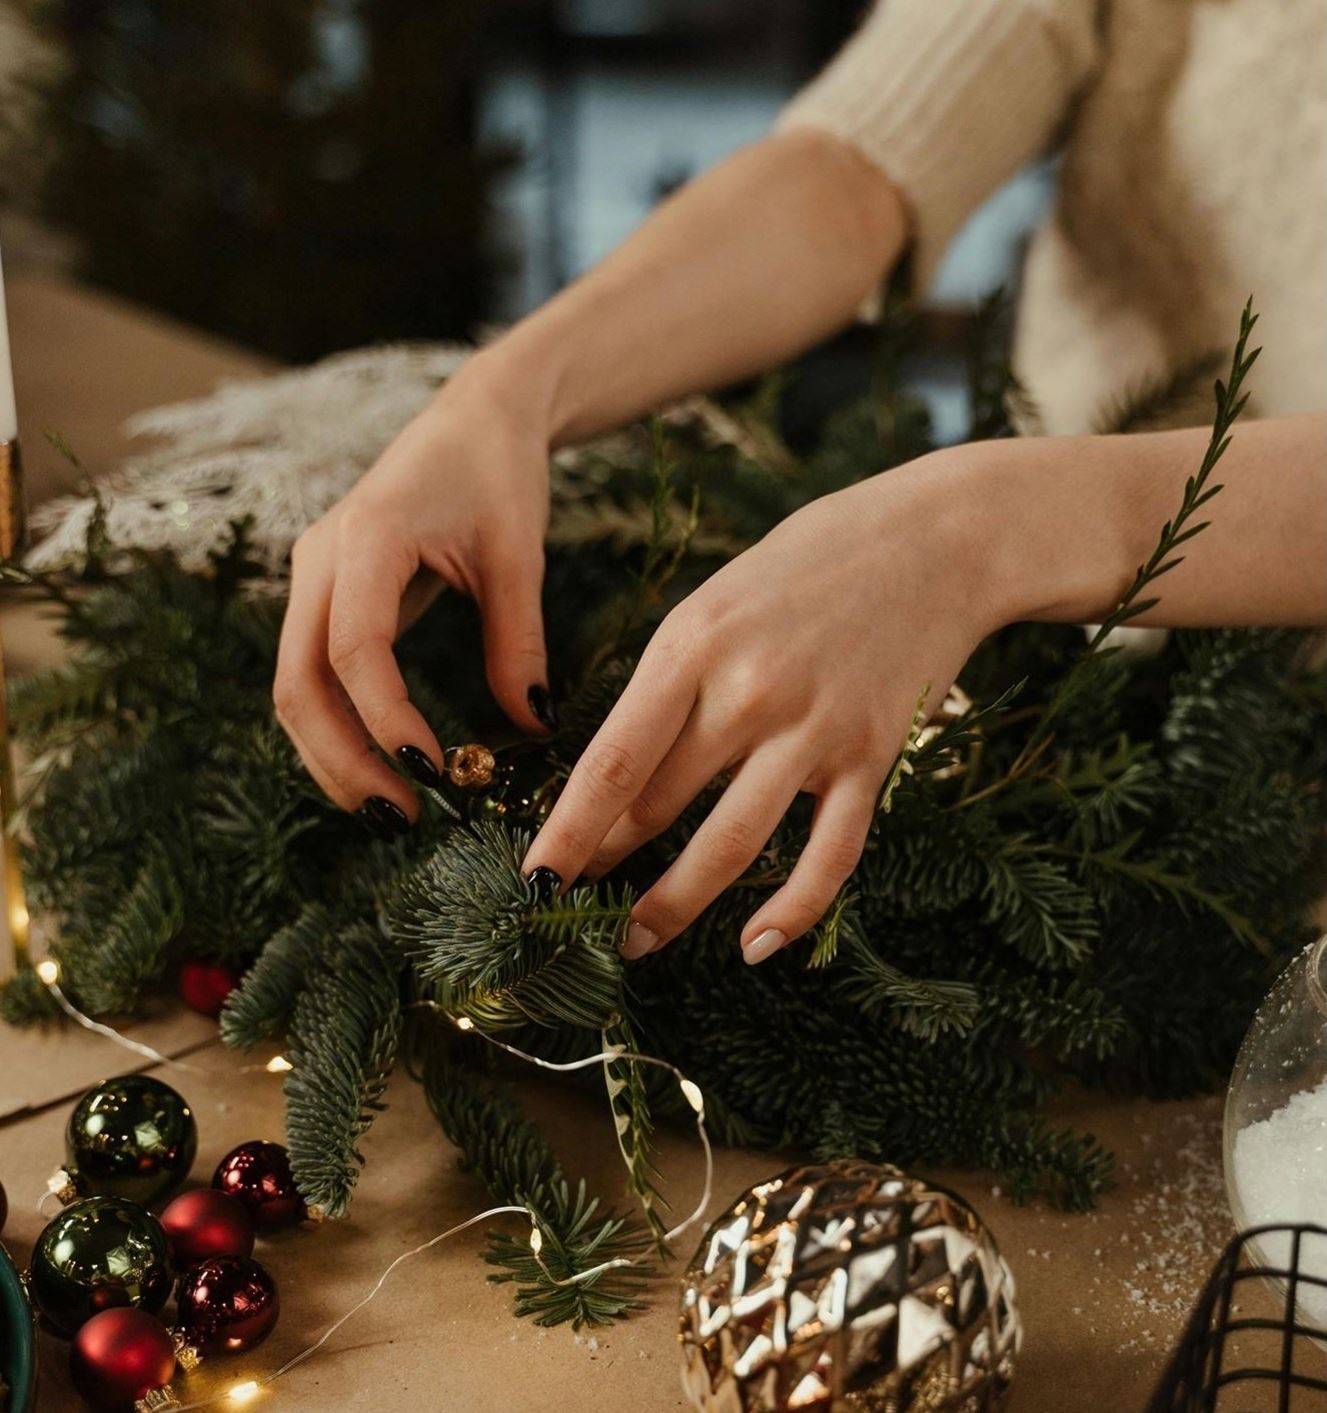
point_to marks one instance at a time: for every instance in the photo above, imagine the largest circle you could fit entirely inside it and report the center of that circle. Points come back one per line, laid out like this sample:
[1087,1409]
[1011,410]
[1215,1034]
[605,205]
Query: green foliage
[1091,874]
[512,1159]
[344,1032]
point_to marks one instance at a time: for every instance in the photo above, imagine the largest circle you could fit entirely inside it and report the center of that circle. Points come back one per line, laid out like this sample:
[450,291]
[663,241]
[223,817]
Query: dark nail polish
[546,882]
[382,818]
[542,706]
[420,766]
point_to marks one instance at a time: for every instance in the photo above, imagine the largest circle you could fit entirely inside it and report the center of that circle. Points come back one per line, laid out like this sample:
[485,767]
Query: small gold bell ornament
[848,1287]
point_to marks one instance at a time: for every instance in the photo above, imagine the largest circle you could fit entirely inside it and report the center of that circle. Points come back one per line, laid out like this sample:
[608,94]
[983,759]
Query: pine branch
[25,999]
[994,392]
[514,1162]
[1036,908]
[343,1037]
[1157,879]
[828,931]
[107,971]
[469,919]
[1155,401]
[264,1000]
[664,549]
[925,1009]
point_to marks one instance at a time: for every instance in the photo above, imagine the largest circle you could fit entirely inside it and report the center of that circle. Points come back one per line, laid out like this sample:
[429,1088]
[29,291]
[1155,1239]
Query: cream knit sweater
[1194,173]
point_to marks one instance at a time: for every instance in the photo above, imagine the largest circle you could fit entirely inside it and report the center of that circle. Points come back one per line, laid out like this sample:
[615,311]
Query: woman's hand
[461,498]
[462,493]
[797,667]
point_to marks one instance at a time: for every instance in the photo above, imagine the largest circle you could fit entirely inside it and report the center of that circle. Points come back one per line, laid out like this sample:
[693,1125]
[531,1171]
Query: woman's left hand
[797,667]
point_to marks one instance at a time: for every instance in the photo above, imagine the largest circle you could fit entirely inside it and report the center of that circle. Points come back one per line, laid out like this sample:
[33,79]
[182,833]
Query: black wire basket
[1232,1353]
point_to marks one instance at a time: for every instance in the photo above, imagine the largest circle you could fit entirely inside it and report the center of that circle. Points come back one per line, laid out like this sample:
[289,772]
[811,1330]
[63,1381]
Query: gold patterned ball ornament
[851,1287]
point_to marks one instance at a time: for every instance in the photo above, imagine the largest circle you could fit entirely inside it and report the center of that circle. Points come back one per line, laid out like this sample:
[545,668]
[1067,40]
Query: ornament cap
[187,1356]
[62,1187]
[157,1400]
[471,766]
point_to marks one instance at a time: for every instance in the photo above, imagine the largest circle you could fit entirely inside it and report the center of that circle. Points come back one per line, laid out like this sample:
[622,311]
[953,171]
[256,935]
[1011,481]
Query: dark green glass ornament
[99,1253]
[519,787]
[131,1136]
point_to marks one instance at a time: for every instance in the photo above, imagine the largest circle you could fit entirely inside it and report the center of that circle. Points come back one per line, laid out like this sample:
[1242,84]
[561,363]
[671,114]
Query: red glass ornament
[258,1173]
[227,1304]
[204,986]
[205,1223]
[120,1356]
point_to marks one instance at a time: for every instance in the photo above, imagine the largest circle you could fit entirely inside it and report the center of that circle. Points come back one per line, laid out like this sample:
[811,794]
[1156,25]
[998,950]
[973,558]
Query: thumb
[515,657]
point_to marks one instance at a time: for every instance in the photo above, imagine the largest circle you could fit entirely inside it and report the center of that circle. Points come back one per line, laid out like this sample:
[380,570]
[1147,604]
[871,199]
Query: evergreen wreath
[1087,869]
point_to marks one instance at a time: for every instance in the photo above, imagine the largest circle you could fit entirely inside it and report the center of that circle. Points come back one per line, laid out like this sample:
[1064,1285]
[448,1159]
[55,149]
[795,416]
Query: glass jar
[1276,1126]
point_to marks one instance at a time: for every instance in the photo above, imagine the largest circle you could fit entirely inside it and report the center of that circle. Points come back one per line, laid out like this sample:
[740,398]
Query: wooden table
[1103,1294]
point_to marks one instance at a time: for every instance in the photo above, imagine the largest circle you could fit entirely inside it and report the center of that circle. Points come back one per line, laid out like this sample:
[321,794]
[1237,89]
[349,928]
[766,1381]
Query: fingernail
[546,881]
[765,945]
[638,941]
[541,704]
[382,818]
[420,766]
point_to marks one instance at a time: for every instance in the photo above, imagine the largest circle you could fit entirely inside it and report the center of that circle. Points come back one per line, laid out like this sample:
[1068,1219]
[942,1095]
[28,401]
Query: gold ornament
[469,767]
[848,1287]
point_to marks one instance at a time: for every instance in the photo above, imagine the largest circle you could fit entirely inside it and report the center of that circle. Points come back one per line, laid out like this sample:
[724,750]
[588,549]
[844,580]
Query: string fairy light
[690,1090]
[48,973]
[250,1388]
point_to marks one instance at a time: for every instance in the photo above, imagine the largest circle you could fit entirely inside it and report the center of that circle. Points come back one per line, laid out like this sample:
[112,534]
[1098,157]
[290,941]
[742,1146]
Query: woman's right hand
[460,498]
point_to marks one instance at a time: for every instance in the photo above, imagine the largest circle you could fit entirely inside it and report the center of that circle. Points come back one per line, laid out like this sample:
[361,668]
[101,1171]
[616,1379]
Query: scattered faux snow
[1179,1225]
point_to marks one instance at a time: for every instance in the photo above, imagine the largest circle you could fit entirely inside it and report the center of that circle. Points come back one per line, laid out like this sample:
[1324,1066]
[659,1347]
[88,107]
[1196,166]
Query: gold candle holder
[13,534]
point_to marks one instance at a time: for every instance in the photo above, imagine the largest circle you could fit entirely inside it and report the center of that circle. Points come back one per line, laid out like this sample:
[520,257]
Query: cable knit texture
[1193,136]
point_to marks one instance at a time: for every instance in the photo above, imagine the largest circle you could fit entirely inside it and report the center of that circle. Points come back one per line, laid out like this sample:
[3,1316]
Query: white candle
[8,413]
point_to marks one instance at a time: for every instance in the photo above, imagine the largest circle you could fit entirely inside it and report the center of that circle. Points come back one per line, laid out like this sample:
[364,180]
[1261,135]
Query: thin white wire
[354,1309]
[604,1057]
[138,1047]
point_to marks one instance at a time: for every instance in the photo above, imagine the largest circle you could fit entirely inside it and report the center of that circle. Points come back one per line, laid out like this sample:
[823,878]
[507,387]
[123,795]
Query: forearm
[740,270]
[1061,524]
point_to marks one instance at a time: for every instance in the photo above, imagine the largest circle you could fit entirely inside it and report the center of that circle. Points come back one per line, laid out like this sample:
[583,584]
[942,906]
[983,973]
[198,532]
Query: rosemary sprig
[1175,532]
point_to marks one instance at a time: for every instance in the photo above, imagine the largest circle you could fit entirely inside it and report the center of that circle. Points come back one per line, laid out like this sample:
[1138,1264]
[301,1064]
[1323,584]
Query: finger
[682,774]
[617,763]
[720,851]
[515,657]
[342,758]
[838,834]
[330,739]
[372,575]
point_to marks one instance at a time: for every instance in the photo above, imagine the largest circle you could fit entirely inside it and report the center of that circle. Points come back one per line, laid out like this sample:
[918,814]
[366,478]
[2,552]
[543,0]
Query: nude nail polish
[638,941]
[763,945]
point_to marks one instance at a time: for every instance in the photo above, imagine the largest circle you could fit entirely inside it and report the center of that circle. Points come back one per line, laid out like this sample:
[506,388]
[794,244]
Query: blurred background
[301,176]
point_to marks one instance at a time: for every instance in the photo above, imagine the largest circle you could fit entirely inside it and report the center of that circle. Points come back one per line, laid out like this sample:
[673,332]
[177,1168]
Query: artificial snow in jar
[1276,1128]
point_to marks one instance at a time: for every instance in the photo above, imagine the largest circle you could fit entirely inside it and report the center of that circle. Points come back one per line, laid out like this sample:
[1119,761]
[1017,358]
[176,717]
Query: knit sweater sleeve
[950,97]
